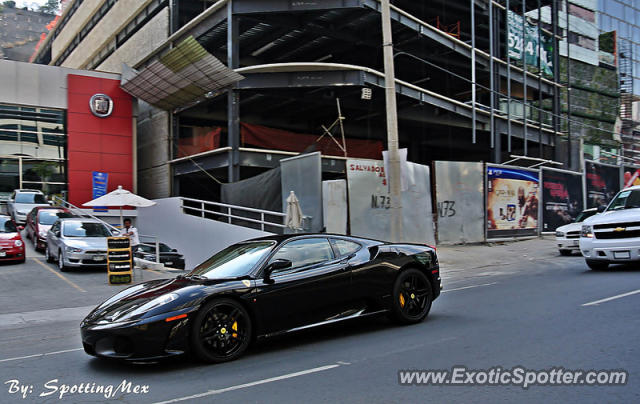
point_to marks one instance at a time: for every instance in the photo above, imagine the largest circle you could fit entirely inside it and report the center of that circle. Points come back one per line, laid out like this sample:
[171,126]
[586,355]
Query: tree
[50,7]
[9,4]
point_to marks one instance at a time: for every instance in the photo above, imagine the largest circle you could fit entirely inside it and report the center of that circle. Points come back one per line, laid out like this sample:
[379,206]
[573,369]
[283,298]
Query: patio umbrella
[120,197]
[293,218]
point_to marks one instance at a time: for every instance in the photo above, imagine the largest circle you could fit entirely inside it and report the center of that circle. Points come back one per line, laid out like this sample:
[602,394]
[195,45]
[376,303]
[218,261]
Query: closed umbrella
[120,197]
[293,218]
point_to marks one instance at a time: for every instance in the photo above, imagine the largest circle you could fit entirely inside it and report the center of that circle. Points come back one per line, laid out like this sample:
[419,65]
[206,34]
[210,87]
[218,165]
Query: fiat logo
[101,105]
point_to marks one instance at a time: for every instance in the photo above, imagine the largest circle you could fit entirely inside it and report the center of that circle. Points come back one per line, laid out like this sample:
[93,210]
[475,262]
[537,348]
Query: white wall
[194,237]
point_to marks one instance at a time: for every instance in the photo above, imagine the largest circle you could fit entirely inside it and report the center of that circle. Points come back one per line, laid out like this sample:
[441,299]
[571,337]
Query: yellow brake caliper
[401,300]
[234,327]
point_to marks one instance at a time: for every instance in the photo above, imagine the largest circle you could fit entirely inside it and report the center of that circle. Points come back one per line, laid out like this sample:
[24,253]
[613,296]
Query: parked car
[260,288]
[77,242]
[11,244]
[22,201]
[568,236]
[170,257]
[613,236]
[40,220]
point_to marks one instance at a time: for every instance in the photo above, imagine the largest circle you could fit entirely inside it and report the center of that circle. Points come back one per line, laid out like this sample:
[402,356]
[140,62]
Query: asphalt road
[526,312]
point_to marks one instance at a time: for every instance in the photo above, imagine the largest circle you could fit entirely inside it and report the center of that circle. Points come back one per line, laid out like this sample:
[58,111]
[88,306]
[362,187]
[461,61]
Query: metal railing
[234,214]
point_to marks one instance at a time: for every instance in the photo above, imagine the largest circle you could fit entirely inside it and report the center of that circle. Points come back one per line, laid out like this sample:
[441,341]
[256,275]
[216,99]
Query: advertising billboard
[562,198]
[528,44]
[631,176]
[603,182]
[512,202]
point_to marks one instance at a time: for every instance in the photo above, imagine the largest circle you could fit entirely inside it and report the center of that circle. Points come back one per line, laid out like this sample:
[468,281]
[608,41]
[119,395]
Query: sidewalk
[461,261]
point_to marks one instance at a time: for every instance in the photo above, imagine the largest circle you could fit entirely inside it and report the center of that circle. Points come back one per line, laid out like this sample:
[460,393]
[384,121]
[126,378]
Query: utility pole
[394,175]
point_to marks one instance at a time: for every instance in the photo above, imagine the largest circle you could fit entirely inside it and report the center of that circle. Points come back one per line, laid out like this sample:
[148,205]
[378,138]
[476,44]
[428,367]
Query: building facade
[472,85]
[58,126]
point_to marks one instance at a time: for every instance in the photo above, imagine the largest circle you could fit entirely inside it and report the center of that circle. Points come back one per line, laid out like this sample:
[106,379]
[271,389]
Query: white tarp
[460,201]
[334,206]
[369,202]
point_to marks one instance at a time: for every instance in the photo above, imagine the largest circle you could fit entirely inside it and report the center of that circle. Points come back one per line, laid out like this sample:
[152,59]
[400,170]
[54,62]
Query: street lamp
[393,176]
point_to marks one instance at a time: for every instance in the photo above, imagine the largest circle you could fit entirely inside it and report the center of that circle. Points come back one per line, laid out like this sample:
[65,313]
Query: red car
[40,220]
[11,244]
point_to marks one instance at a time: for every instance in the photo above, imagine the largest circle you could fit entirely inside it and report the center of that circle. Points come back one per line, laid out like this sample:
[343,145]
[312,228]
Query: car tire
[597,265]
[221,331]
[47,254]
[566,252]
[61,265]
[412,297]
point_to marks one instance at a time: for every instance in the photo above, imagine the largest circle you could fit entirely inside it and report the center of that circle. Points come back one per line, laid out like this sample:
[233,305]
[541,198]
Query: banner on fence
[512,202]
[562,198]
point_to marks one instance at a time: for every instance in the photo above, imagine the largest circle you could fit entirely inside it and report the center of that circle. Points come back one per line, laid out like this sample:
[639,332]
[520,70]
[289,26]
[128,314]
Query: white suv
[613,237]
[22,201]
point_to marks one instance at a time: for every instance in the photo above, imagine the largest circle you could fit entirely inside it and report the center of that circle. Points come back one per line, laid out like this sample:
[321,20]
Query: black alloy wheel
[221,331]
[412,297]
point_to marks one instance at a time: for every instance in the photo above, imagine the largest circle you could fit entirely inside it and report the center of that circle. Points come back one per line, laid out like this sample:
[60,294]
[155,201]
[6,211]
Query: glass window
[7,225]
[49,216]
[344,247]
[305,252]
[234,261]
[85,229]
[30,197]
[626,200]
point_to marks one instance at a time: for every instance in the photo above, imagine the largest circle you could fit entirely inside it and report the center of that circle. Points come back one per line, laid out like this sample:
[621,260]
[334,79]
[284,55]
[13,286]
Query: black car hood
[152,298]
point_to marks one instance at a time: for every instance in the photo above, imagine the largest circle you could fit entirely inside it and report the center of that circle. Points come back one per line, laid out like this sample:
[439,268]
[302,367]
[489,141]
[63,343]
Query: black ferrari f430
[260,288]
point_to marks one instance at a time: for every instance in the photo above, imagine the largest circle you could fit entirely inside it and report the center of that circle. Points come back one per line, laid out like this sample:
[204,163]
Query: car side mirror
[57,233]
[601,208]
[275,265]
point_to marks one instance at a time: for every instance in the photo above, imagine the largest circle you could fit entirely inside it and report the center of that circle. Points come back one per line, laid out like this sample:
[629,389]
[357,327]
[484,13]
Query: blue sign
[99,181]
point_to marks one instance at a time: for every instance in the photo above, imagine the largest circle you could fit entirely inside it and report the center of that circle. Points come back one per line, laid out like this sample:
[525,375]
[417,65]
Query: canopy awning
[185,74]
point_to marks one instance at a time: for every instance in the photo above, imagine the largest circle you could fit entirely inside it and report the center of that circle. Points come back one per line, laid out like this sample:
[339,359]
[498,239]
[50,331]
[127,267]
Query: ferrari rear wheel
[221,331]
[412,297]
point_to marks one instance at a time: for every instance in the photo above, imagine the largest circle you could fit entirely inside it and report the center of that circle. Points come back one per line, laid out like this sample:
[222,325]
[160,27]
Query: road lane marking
[39,355]
[469,287]
[251,384]
[64,278]
[596,302]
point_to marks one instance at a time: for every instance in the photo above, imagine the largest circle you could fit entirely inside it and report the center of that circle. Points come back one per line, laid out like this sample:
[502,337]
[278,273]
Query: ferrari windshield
[628,199]
[234,261]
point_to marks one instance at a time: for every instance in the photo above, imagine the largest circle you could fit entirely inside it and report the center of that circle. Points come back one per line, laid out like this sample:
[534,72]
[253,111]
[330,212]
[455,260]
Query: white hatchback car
[613,237]
[568,236]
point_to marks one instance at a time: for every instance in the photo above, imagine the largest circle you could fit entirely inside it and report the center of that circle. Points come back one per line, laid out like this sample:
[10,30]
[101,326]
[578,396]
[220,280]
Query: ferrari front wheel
[412,297]
[221,331]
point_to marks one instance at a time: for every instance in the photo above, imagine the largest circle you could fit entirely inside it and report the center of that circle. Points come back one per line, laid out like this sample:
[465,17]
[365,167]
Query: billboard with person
[512,202]
[562,198]
[603,182]
[631,176]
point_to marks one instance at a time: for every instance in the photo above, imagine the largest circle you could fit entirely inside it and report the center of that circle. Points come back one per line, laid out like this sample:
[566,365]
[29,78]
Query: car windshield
[7,225]
[626,199]
[584,215]
[234,261]
[30,198]
[49,216]
[85,229]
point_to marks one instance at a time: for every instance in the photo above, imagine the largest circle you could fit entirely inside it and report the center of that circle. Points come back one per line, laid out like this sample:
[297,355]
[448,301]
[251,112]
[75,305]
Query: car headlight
[149,257]
[42,233]
[559,234]
[73,250]
[587,231]
[18,243]
[155,303]
[23,212]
